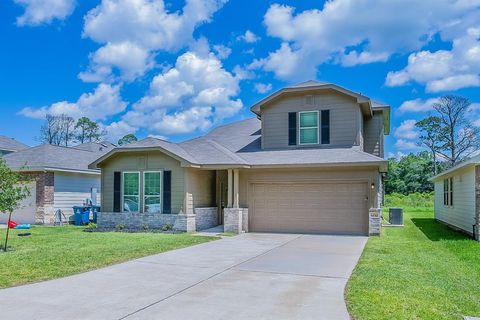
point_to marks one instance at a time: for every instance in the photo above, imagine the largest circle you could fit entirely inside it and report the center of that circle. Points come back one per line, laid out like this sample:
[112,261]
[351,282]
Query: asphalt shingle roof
[10,144]
[239,143]
[54,157]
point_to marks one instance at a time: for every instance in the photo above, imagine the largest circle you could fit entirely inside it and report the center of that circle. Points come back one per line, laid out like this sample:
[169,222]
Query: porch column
[229,189]
[235,189]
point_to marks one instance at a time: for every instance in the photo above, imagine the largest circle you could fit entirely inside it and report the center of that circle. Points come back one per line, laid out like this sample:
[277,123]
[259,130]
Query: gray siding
[462,213]
[373,134]
[142,161]
[71,189]
[344,119]
[201,185]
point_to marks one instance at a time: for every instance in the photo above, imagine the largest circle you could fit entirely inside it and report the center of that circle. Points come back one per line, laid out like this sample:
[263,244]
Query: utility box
[395,216]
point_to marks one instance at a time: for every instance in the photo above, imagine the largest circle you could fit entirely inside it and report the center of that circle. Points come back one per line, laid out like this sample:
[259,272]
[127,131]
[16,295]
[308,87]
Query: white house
[457,196]
[60,176]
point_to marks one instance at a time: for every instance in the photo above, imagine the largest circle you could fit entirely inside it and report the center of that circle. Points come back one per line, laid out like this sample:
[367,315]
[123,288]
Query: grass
[53,252]
[422,271]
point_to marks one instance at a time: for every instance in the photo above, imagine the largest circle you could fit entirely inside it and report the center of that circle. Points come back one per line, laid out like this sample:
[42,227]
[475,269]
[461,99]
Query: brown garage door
[327,207]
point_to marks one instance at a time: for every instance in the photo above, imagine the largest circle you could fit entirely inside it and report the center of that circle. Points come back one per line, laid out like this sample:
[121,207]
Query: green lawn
[52,252]
[422,271]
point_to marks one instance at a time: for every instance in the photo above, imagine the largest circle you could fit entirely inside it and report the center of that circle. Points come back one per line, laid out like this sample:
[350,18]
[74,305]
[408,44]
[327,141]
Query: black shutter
[167,191]
[117,190]
[325,126]
[292,128]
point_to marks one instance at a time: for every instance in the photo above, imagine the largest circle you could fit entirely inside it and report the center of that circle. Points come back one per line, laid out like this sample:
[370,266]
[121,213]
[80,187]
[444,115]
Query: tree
[461,138]
[87,130]
[129,138]
[432,137]
[13,189]
[409,174]
[57,130]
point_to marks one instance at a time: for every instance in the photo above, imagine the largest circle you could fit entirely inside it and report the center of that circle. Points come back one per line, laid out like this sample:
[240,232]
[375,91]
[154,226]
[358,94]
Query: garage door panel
[338,208]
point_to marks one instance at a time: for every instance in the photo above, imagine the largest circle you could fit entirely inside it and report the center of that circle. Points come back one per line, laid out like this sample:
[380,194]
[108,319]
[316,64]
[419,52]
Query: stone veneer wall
[374,221]
[206,218]
[235,220]
[45,213]
[477,201]
[109,220]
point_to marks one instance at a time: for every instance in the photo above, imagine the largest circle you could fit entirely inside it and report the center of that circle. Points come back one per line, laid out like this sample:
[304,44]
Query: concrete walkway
[251,276]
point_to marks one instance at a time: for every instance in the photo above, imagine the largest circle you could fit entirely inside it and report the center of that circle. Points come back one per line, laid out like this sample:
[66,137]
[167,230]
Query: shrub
[145,227]
[167,227]
[119,227]
[417,199]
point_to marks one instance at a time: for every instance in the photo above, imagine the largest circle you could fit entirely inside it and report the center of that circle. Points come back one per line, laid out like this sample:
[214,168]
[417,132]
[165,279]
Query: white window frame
[300,127]
[448,192]
[161,190]
[123,191]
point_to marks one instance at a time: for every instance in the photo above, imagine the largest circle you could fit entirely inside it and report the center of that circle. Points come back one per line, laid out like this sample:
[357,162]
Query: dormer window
[308,127]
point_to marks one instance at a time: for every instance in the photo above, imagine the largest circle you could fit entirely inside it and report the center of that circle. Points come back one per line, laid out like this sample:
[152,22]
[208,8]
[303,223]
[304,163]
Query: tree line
[448,135]
[63,130]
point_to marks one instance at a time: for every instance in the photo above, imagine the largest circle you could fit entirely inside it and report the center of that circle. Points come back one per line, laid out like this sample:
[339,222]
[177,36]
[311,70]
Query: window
[131,191]
[152,181]
[325,126]
[308,127]
[448,192]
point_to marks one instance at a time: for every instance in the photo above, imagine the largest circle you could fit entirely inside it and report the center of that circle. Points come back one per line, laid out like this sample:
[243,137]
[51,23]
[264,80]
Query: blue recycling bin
[86,216]
[95,210]
[77,215]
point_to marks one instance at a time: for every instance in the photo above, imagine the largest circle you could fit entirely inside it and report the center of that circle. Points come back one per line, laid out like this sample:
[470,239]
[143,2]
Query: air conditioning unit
[395,216]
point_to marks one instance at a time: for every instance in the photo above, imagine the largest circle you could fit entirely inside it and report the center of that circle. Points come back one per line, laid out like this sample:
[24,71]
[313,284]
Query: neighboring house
[457,196]
[311,161]
[9,145]
[61,179]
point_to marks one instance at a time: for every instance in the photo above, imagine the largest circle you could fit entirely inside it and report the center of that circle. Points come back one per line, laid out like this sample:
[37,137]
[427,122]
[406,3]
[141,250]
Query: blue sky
[176,69]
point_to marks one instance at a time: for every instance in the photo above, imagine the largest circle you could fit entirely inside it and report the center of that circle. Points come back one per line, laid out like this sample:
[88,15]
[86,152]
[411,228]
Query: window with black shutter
[292,128]
[325,126]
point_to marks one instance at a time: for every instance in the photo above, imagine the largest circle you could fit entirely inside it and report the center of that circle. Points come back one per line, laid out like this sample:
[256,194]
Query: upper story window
[448,192]
[308,127]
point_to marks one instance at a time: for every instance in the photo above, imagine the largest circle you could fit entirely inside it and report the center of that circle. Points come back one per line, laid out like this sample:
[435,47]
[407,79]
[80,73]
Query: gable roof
[367,105]
[312,86]
[471,162]
[10,144]
[48,157]
[102,146]
[239,145]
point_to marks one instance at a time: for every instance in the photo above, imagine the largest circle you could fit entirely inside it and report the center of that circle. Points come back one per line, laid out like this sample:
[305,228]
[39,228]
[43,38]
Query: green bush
[413,200]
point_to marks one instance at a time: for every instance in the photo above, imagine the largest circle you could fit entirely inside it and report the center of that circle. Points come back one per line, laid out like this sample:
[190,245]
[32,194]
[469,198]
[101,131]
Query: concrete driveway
[250,276]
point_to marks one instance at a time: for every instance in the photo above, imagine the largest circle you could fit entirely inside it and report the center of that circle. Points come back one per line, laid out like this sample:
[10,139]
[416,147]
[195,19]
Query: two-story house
[311,161]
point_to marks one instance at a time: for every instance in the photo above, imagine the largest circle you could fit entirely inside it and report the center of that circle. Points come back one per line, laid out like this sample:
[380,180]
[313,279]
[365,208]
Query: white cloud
[340,33]
[222,51]
[417,105]
[39,12]
[248,37]
[398,155]
[263,87]
[193,95]
[444,70]
[407,130]
[354,58]
[137,29]
[131,59]
[117,130]
[405,144]
[98,105]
